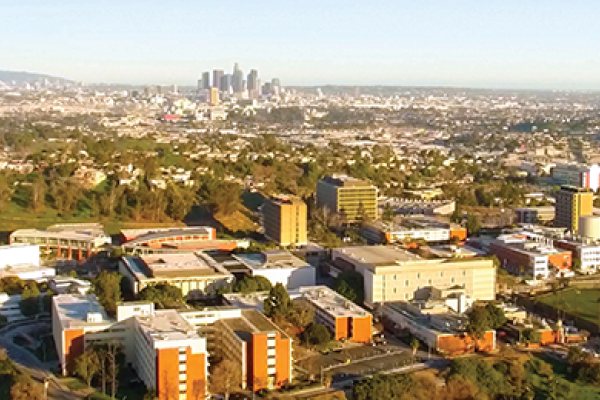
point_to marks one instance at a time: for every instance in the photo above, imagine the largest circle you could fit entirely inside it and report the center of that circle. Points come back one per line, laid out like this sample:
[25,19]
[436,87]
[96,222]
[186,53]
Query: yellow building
[571,203]
[351,198]
[214,96]
[284,220]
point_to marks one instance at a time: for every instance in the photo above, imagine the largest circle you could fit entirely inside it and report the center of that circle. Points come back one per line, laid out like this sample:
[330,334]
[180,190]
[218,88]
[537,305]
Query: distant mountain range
[20,77]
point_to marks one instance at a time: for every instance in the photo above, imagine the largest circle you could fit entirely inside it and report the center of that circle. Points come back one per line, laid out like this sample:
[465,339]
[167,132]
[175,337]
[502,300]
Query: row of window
[395,277]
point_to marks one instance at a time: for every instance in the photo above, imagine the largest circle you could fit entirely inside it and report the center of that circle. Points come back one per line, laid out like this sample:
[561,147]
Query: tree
[6,192]
[351,286]
[530,335]
[24,388]
[300,315]
[225,378]
[388,213]
[576,265]
[414,345]
[163,294]
[473,225]
[87,366]
[30,302]
[278,301]
[251,284]
[108,289]
[315,334]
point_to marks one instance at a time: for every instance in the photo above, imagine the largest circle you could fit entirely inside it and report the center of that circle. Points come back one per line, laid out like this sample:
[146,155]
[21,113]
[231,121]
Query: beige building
[393,274]
[284,220]
[572,203]
[349,197]
[196,274]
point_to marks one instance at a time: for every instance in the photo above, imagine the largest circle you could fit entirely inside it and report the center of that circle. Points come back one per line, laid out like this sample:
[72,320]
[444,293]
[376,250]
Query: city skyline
[526,44]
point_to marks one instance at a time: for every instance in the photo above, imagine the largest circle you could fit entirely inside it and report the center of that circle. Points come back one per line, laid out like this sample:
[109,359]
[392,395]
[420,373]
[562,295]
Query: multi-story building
[585,176]
[67,240]
[420,207]
[393,274]
[196,274]
[214,96]
[534,215]
[352,199]
[588,253]
[206,80]
[217,75]
[343,318]
[411,229]
[163,347]
[284,220]
[572,203]
[530,254]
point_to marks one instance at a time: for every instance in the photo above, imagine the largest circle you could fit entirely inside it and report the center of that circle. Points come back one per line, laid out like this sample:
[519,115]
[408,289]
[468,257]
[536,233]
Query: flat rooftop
[166,325]
[274,259]
[251,322]
[65,231]
[378,255]
[173,265]
[345,181]
[286,199]
[439,323]
[411,224]
[73,310]
[144,235]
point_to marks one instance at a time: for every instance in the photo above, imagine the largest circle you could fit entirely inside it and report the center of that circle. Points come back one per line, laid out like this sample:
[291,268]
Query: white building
[19,254]
[9,307]
[280,266]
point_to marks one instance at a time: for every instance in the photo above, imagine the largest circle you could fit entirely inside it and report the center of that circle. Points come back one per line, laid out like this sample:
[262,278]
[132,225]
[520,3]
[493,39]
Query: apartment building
[196,274]
[571,204]
[284,220]
[164,349]
[348,197]
[530,254]
[393,274]
[344,319]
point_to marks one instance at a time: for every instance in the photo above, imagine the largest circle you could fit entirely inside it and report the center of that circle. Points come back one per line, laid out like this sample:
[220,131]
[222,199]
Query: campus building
[406,207]
[394,274]
[284,220]
[164,349]
[344,319]
[279,266]
[527,253]
[442,332]
[196,274]
[585,176]
[70,241]
[23,261]
[173,240]
[347,197]
[571,204]
[409,229]
[534,215]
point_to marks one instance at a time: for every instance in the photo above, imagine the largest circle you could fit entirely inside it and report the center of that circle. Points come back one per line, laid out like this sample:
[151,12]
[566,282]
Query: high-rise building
[252,80]
[217,75]
[352,199]
[214,96]
[206,80]
[237,80]
[284,220]
[225,84]
[571,203]
[275,82]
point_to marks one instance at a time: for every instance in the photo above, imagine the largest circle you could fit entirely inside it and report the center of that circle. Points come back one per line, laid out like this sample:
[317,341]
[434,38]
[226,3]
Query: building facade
[350,198]
[534,215]
[571,204]
[284,220]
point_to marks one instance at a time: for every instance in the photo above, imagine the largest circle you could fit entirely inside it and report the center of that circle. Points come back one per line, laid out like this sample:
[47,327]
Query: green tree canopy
[107,288]
[315,334]
[351,286]
[163,294]
[278,301]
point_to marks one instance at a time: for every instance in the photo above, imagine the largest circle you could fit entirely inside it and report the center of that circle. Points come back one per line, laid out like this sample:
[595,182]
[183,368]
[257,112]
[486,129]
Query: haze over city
[508,44]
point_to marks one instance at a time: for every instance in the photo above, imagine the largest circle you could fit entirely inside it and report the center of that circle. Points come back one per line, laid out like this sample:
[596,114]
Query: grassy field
[584,303]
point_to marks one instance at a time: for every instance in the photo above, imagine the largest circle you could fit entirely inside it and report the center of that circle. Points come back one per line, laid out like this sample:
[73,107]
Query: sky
[537,44]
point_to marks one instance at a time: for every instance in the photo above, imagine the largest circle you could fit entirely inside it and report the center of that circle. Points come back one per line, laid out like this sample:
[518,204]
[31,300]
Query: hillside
[20,77]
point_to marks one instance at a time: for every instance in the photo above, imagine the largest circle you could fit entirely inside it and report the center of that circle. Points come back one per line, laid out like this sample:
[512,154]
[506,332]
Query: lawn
[583,303]
[560,368]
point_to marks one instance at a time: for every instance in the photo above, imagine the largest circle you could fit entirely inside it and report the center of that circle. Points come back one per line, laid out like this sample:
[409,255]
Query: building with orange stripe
[164,348]
[344,319]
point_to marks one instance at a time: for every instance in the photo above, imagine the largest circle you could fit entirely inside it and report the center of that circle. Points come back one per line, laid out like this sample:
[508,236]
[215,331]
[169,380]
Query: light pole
[46,383]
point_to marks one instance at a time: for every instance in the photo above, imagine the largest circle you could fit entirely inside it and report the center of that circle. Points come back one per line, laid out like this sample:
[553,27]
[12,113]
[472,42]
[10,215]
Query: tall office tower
[351,198]
[217,75]
[284,220]
[275,82]
[199,85]
[252,80]
[214,96]
[237,80]
[206,80]
[572,203]
[225,84]
[267,88]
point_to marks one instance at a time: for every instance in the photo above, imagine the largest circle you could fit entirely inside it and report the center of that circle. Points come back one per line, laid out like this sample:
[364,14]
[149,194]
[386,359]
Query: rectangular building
[530,254]
[284,220]
[409,229]
[350,198]
[534,215]
[393,274]
[196,274]
[279,266]
[572,203]
[585,176]
[587,253]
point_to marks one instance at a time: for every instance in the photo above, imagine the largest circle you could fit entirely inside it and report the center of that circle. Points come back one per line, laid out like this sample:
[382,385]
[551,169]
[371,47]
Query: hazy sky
[483,43]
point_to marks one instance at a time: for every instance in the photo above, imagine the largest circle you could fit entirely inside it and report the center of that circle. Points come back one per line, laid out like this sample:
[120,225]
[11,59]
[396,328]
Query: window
[406,283]
[452,280]
[394,277]
[429,281]
[418,275]
[464,272]
[394,290]
[405,296]
[441,274]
